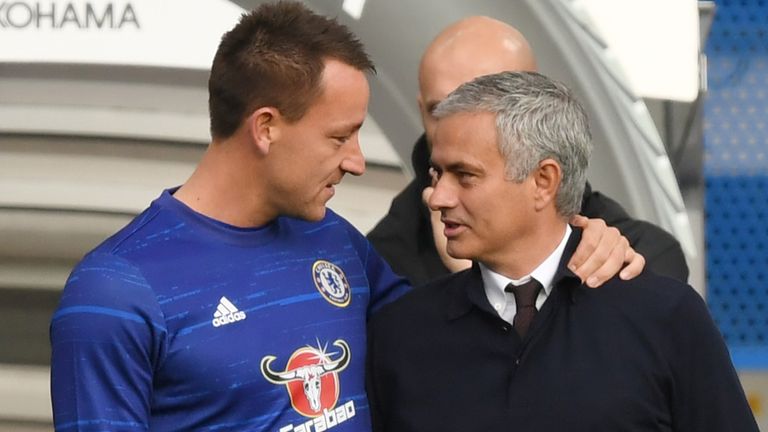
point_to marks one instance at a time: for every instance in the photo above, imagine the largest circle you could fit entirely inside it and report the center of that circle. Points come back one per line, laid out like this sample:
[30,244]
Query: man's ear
[547,177]
[264,128]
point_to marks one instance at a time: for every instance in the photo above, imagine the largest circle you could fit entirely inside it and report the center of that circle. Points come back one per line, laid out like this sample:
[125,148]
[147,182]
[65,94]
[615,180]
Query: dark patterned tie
[525,302]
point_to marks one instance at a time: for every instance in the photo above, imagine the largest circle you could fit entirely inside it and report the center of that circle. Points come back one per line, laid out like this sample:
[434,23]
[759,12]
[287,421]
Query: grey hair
[537,118]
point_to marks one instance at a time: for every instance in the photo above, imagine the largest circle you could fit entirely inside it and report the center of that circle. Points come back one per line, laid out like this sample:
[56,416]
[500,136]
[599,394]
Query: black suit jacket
[639,355]
[404,236]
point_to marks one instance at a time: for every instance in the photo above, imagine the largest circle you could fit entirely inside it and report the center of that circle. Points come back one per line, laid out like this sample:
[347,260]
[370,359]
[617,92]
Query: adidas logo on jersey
[226,313]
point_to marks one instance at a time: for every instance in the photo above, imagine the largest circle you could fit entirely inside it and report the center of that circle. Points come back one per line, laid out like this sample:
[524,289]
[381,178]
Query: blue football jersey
[181,322]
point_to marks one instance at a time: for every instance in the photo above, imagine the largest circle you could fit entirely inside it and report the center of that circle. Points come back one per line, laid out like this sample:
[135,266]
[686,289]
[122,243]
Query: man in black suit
[464,50]
[517,342]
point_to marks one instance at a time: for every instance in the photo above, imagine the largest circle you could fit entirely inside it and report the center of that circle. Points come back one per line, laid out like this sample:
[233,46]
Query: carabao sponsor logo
[328,420]
[311,378]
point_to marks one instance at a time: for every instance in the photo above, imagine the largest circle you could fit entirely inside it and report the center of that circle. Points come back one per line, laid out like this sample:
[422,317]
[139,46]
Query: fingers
[425,194]
[441,242]
[635,263]
[601,252]
[593,230]
[580,221]
[605,268]
[432,176]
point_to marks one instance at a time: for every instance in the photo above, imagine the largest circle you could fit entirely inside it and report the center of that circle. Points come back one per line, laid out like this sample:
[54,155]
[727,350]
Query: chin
[458,252]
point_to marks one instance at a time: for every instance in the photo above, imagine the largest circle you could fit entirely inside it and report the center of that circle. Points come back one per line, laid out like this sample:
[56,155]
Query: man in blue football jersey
[238,301]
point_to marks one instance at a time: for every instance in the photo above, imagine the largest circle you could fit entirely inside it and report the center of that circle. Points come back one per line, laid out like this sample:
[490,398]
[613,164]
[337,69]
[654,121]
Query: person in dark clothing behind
[467,49]
[517,342]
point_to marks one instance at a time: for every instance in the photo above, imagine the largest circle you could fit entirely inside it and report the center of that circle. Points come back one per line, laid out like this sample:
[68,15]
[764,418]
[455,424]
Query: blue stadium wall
[736,178]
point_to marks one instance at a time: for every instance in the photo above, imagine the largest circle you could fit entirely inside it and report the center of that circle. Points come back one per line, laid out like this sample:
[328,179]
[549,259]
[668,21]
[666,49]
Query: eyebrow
[432,104]
[346,127]
[455,166]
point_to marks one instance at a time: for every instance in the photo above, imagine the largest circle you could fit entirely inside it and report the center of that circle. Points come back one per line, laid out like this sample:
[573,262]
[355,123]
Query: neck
[225,186]
[525,254]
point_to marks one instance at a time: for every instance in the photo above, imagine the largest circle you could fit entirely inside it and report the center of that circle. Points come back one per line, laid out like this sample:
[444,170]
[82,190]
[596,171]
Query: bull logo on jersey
[331,282]
[310,377]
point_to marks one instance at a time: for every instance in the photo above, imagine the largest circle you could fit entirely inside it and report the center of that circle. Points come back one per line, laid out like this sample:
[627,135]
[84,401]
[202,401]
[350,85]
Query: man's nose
[442,196]
[354,161]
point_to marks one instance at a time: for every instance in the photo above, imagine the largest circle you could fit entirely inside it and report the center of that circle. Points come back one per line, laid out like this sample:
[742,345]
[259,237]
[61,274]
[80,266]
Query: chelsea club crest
[331,282]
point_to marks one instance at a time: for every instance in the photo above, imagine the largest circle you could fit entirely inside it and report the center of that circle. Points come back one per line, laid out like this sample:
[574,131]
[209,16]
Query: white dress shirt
[504,302]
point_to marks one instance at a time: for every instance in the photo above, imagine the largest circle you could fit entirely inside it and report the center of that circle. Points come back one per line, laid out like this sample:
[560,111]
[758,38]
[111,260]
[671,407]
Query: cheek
[312,158]
[493,213]
[318,169]
[482,206]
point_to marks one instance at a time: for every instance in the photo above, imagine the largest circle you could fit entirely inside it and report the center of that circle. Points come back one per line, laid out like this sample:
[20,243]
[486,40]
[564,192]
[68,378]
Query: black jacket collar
[468,291]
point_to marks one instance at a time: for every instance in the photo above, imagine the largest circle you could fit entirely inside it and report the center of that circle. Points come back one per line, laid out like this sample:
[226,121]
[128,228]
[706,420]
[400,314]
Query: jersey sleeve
[107,338]
[385,286]
[706,394]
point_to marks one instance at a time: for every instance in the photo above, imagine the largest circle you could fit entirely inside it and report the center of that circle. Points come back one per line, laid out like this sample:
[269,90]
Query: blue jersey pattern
[181,322]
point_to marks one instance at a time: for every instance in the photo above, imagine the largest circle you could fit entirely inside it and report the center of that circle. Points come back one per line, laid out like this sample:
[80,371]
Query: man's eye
[341,139]
[466,177]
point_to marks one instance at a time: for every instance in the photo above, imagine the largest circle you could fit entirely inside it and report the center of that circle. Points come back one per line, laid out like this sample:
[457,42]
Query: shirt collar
[495,283]
[467,290]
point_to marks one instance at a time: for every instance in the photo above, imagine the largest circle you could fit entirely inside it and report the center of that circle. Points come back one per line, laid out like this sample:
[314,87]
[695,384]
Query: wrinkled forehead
[466,130]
